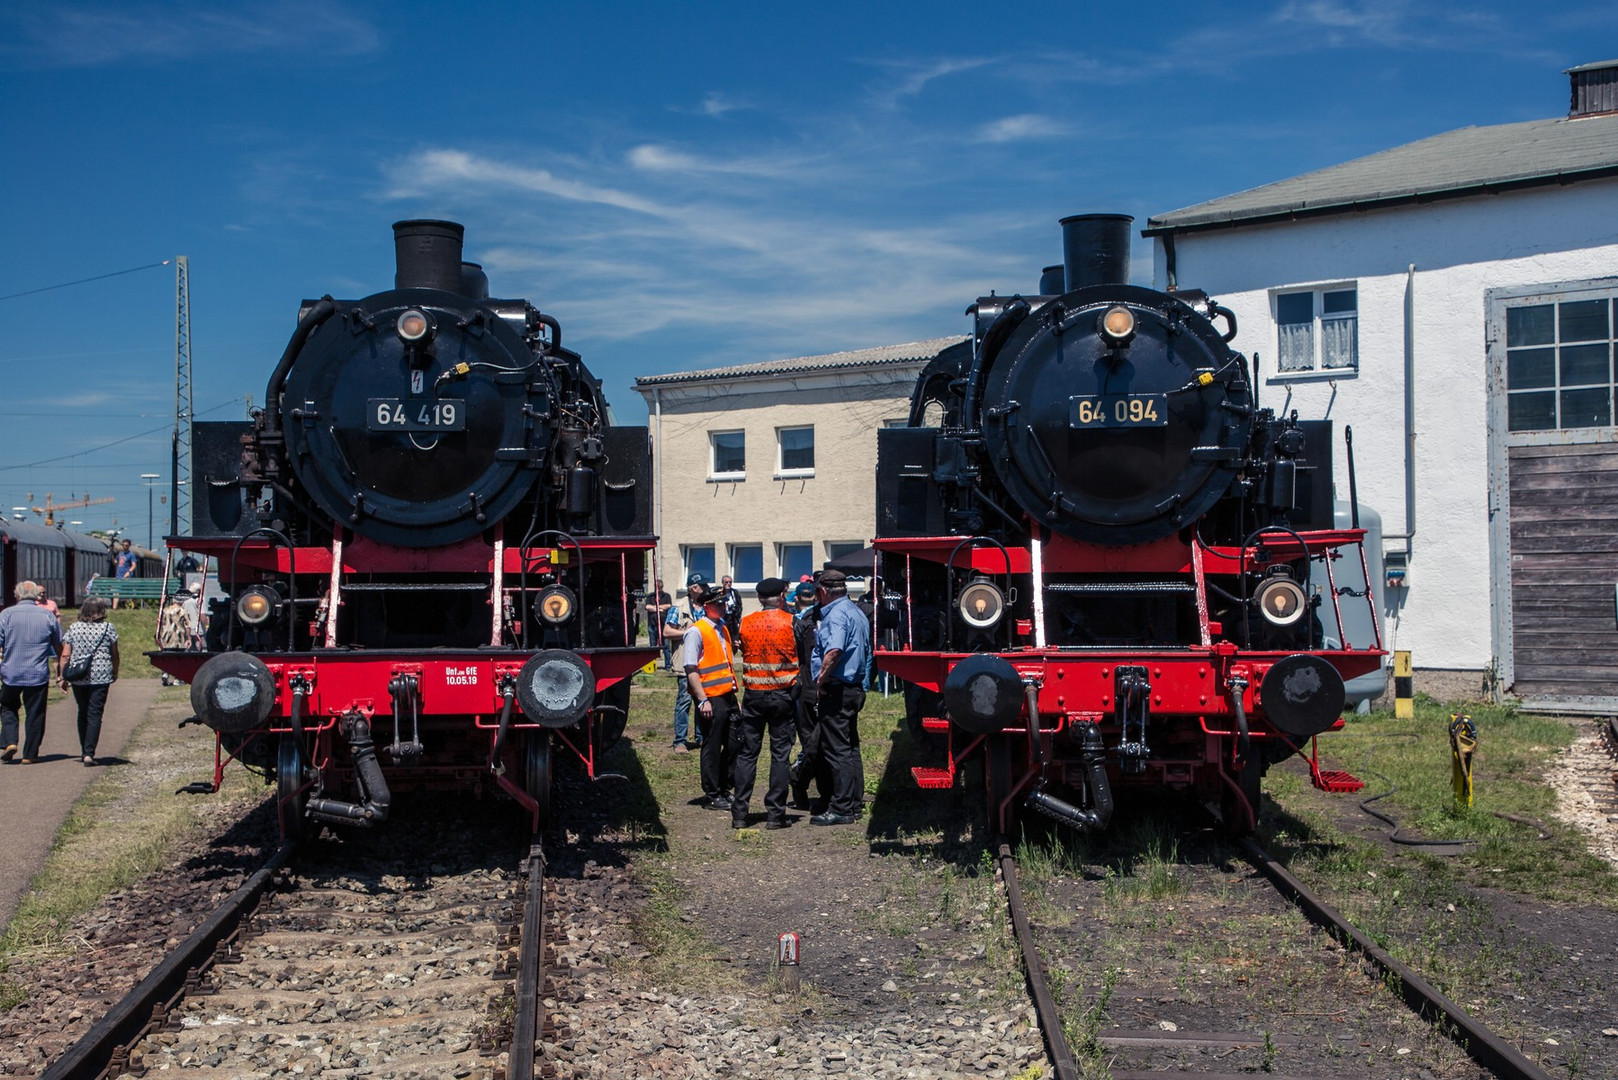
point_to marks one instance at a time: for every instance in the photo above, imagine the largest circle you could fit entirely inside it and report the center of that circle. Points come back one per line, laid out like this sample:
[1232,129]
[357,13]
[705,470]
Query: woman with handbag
[90,666]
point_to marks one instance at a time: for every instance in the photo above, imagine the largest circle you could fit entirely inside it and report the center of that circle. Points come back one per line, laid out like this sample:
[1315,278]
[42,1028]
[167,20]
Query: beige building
[769,470]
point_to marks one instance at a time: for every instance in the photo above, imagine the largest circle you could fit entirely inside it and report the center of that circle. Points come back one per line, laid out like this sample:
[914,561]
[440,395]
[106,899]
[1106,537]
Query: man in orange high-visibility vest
[711,677]
[769,668]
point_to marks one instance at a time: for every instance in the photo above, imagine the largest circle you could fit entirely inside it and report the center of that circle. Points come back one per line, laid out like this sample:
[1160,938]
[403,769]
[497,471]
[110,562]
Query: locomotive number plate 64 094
[1118,410]
[392,414]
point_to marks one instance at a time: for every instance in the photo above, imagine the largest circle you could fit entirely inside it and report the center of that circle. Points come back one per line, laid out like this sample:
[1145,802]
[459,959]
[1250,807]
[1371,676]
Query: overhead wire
[83,281]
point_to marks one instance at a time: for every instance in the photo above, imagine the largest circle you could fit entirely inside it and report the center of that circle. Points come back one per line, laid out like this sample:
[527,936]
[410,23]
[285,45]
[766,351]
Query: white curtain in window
[1339,343]
[1297,343]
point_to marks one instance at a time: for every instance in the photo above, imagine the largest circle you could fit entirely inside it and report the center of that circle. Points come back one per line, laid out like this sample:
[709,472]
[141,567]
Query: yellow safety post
[1404,705]
[1463,742]
[650,668]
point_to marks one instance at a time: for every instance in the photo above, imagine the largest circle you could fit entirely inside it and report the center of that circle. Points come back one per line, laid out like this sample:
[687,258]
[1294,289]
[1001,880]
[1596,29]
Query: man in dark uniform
[842,642]
[811,764]
[711,679]
[769,671]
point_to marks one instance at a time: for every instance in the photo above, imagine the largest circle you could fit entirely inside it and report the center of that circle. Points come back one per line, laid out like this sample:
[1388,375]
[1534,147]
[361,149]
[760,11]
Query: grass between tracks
[1425,908]
[126,824]
[948,882]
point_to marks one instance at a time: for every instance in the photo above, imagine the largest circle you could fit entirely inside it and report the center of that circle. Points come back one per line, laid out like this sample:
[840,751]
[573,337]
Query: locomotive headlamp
[982,604]
[256,605]
[556,604]
[413,325]
[1118,324]
[1281,601]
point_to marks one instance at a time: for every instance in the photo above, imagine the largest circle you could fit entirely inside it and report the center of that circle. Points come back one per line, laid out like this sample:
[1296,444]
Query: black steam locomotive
[1097,551]
[429,539]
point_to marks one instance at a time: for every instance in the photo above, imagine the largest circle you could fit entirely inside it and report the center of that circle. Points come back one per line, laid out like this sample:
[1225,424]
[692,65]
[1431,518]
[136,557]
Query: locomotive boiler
[429,538]
[1096,550]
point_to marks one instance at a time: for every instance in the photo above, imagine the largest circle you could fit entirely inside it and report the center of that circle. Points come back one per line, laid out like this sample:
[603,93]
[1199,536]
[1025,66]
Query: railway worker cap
[833,580]
[770,586]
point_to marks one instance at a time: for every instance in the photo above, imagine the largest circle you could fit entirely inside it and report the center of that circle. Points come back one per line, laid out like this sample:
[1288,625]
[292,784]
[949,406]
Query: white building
[767,469]
[1454,300]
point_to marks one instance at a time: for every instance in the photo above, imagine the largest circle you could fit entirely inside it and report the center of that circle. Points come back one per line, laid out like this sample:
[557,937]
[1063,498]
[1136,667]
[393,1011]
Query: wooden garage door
[1553,465]
[1564,566]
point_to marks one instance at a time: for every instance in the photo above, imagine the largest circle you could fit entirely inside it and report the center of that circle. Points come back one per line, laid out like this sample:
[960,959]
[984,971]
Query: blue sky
[682,185]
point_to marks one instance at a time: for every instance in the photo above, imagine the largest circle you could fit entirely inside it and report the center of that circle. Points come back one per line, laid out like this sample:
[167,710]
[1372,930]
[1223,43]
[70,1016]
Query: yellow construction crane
[50,507]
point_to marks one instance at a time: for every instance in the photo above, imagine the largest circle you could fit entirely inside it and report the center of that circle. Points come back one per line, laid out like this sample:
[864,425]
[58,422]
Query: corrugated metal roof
[853,360]
[1470,161]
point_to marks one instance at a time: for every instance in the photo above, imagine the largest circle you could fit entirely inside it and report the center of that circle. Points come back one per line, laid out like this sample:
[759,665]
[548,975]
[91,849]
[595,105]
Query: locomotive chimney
[427,255]
[1053,281]
[1095,249]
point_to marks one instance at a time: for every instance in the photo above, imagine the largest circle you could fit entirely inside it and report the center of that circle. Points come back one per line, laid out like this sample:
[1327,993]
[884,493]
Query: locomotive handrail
[292,584]
[529,542]
[972,541]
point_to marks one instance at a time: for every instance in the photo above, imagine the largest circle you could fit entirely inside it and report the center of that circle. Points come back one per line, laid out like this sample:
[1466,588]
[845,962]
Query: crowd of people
[795,669]
[86,660]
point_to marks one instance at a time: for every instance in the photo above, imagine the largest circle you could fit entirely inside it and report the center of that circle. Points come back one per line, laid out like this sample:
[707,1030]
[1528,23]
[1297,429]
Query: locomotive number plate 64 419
[392,414]
[1118,410]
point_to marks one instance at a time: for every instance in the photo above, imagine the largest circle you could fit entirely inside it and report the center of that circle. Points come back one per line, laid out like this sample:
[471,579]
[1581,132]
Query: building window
[1317,330]
[698,560]
[729,455]
[836,549]
[1559,364]
[796,560]
[797,446]
[747,562]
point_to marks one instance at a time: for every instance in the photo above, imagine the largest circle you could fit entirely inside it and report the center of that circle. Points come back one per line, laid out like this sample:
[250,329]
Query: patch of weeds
[1084,1032]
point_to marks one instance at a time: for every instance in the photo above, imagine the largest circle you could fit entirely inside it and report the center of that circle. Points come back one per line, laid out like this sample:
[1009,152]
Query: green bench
[132,588]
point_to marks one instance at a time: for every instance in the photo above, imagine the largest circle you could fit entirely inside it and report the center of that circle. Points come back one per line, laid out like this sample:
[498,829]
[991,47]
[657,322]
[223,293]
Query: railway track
[1263,1041]
[348,960]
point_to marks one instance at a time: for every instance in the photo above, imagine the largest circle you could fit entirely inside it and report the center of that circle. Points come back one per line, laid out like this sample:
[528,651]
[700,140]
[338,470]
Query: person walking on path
[711,678]
[842,641]
[93,636]
[769,670]
[30,638]
[658,606]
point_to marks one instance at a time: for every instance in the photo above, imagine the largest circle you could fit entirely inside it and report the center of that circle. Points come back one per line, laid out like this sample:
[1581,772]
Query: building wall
[1460,249]
[837,504]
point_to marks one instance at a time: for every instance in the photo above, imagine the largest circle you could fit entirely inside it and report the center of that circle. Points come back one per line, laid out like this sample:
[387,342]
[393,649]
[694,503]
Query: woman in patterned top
[91,634]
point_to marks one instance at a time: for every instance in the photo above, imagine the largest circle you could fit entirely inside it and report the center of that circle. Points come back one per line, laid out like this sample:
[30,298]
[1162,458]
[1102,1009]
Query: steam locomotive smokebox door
[626,482]
[216,460]
[908,503]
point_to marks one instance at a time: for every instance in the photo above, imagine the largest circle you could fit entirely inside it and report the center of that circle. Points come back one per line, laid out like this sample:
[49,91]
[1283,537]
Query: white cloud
[1019,128]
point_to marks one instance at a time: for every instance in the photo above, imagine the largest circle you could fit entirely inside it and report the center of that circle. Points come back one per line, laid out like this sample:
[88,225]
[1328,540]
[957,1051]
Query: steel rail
[530,971]
[149,1001]
[1483,1045]
[1050,1020]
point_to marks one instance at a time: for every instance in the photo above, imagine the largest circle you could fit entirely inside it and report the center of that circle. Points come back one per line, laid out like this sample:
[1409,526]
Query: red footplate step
[1336,780]
[932,778]
[934,723]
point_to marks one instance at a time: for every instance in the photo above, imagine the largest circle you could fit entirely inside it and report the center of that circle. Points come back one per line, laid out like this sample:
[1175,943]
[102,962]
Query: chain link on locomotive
[430,538]
[1096,553]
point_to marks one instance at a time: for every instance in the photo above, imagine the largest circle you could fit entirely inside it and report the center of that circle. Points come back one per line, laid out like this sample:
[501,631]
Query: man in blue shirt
[837,668]
[30,638]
